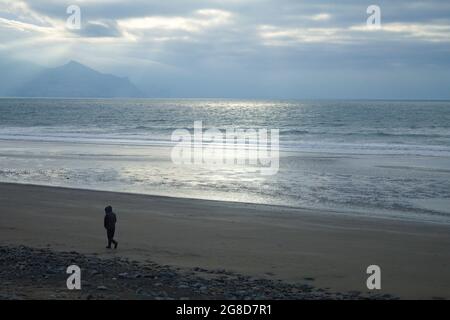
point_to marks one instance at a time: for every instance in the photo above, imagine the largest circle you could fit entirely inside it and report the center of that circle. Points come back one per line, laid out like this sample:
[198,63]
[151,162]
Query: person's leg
[110,237]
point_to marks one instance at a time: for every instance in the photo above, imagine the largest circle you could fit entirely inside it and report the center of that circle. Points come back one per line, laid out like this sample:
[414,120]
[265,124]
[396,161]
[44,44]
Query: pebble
[22,266]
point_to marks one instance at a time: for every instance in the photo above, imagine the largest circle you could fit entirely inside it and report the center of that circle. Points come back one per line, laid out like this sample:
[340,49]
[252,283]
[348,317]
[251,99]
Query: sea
[388,159]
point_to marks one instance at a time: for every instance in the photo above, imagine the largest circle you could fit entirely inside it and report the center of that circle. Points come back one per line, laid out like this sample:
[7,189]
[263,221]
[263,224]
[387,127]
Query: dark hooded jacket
[110,220]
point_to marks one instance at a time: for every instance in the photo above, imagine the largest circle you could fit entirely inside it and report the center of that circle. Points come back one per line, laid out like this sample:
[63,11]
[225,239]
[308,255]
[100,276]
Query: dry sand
[332,250]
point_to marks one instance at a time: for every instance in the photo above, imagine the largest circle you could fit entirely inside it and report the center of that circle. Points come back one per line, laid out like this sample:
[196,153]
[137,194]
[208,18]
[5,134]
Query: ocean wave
[294,131]
[315,146]
[365,134]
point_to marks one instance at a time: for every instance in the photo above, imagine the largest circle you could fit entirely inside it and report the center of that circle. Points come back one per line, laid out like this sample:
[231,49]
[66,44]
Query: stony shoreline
[30,273]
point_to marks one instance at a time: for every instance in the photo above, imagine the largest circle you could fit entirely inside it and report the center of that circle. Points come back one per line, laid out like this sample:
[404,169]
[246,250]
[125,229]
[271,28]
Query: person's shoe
[108,247]
[115,245]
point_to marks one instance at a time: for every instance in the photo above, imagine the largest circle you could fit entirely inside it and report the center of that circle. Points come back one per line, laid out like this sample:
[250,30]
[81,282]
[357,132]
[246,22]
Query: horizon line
[231,98]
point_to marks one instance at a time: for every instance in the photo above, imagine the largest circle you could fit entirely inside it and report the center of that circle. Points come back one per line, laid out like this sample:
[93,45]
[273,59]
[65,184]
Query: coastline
[271,242]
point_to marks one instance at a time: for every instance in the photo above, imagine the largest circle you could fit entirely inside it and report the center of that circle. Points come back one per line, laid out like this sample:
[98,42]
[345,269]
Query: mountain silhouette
[75,80]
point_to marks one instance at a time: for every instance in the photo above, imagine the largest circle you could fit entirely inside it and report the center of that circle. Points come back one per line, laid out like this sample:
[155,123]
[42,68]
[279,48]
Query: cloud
[23,26]
[99,29]
[278,36]
[391,32]
[320,17]
[201,21]
[236,46]
[426,32]
[22,11]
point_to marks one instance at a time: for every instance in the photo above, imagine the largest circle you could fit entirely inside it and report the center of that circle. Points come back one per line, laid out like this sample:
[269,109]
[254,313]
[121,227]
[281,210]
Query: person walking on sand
[110,226]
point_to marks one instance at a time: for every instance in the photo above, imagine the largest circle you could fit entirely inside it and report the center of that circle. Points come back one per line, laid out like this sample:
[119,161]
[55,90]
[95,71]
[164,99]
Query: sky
[283,49]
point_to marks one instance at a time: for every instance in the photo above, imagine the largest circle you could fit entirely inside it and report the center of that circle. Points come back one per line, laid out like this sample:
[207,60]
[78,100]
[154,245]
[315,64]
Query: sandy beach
[326,249]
